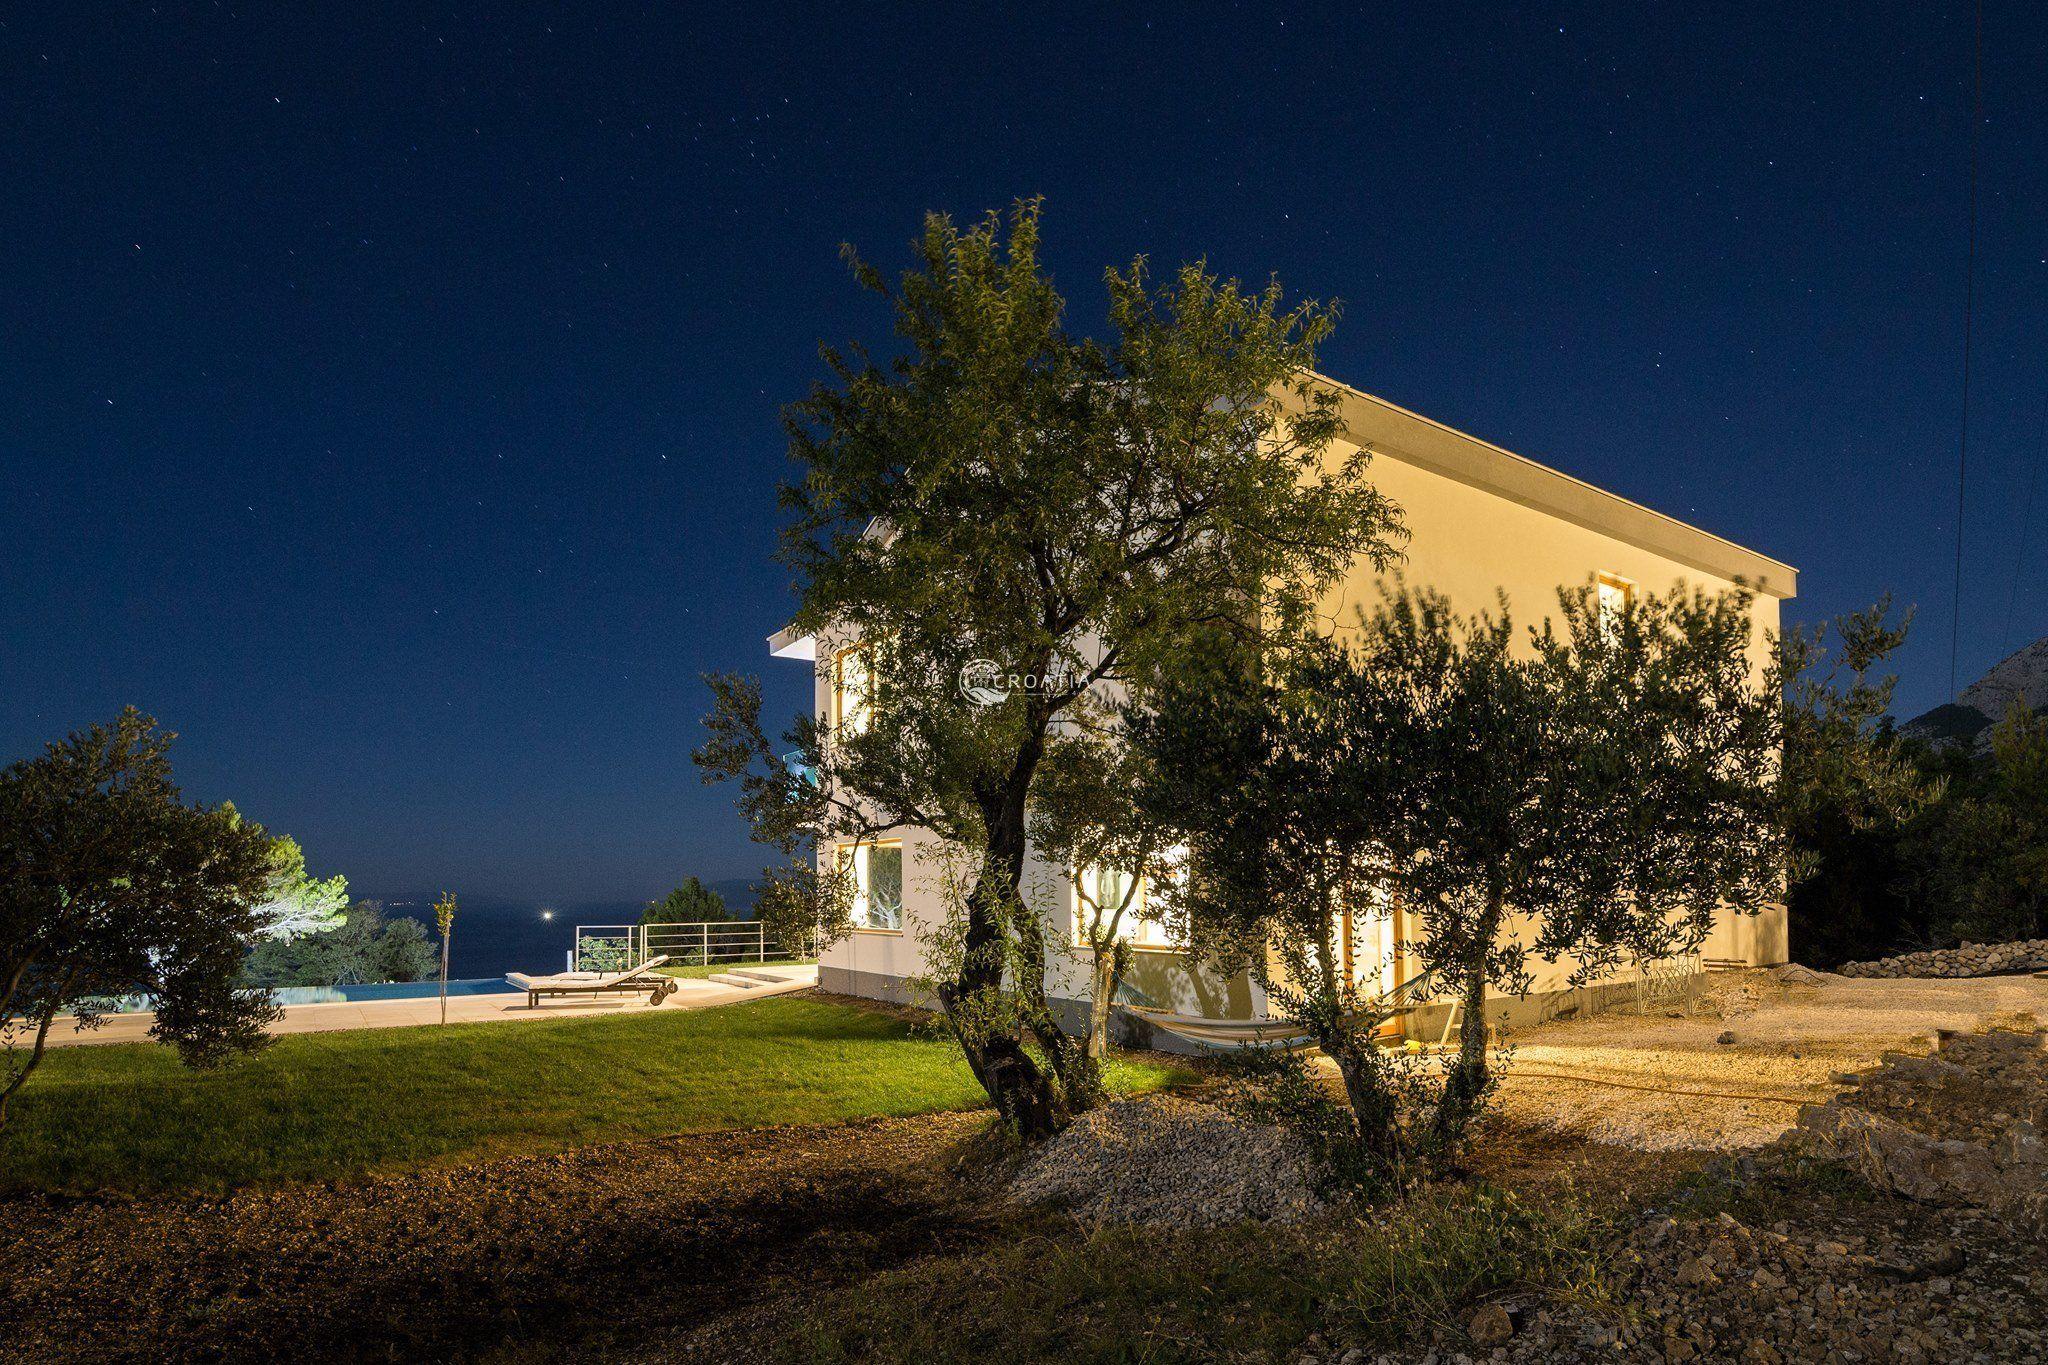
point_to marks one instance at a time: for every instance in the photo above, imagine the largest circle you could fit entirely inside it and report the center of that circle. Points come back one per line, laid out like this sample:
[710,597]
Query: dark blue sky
[390,399]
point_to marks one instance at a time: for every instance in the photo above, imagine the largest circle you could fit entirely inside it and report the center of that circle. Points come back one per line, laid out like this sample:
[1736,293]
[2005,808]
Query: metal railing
[695,943]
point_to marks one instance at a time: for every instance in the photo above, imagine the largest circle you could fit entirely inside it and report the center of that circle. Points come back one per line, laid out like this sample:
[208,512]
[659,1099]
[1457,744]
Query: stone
[1698,1272]
[1490,1326]
[1894,1157]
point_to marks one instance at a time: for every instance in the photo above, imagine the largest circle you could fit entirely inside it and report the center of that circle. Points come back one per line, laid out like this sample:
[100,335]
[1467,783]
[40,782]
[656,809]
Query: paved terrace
[510,1007]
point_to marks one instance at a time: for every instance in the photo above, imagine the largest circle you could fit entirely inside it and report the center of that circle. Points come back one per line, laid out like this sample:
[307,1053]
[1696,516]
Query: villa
[1482,520]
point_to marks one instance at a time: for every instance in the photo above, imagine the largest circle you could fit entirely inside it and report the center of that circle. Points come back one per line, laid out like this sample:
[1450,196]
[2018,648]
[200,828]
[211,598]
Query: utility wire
[1955,628]
[2019,562]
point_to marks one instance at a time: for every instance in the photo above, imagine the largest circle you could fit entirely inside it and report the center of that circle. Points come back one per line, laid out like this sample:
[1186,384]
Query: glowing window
[1101,890]
[852,677]
[1613,595]
[877,871]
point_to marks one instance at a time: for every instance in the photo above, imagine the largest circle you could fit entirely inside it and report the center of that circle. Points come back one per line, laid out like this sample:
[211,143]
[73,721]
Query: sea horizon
[498,934]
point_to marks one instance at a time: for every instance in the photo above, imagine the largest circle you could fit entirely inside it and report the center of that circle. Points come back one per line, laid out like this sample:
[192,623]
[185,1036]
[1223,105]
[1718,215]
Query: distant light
[547,914]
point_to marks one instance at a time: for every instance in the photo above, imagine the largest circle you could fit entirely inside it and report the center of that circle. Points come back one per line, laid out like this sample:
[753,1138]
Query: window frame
[1133,916]
[847,712]
[860,855]
[1607,580]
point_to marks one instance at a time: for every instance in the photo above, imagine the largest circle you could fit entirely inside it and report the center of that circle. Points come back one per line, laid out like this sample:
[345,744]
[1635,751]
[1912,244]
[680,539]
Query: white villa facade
[1482,521]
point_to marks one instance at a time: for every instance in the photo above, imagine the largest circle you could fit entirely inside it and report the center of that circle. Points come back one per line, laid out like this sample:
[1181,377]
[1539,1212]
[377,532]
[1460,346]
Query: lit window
[1613,594]
[1101,890]
[877,871]
[852,677]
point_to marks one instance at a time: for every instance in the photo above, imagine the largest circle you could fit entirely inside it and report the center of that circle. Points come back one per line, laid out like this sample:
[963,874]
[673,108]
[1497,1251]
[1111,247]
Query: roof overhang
[1395,433]
[788,644]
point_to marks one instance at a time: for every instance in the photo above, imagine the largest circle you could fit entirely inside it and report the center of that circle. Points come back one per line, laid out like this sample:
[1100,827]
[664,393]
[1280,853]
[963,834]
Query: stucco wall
[1481,522]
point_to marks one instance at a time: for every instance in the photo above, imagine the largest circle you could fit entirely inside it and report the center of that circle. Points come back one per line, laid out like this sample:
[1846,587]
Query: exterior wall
[1481,522]
[1472,539]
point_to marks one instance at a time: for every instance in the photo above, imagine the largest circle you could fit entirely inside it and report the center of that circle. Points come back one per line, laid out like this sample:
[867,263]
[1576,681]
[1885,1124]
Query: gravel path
[1786,1034]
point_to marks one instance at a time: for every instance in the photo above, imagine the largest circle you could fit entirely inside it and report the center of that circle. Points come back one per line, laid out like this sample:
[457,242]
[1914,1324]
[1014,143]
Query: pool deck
[510,1007]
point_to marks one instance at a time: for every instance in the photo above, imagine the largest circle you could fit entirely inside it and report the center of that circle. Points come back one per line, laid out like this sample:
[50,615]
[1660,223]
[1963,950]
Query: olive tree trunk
[982,1014]
[1468,1079]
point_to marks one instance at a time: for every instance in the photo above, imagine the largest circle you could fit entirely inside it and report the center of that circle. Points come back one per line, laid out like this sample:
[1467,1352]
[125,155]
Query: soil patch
[545,1256]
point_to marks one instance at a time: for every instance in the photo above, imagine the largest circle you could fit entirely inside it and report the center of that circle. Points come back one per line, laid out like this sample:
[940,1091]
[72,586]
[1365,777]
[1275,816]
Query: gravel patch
[1162,1160]
[1669,1081]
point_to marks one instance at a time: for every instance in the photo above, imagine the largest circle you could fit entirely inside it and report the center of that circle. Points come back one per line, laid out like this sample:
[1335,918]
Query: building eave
[787,643]
[1393,432]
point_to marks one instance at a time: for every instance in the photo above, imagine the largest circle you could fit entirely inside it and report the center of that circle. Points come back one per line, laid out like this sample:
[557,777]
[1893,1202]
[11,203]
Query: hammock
[1404,999]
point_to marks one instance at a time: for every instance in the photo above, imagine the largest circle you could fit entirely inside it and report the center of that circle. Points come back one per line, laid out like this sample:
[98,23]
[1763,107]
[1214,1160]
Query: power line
[1955,627]
[2019,560]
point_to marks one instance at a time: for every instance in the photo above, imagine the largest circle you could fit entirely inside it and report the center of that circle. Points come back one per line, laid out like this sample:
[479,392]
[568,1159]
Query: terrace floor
[509,1007]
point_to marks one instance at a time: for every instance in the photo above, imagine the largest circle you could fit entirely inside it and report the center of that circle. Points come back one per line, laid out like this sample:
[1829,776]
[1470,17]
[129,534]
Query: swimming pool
[391,990]
[335,995]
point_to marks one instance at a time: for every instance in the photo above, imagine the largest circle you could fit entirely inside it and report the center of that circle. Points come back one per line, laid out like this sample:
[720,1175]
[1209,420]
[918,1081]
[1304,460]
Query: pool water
[331,995]
[391,990]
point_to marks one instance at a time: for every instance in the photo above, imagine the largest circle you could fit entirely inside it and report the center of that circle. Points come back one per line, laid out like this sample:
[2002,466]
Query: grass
[128,1119]
[1377,1280]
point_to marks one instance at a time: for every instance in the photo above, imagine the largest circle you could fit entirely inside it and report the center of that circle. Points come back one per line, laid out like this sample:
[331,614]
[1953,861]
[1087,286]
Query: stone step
[733,979]
[756,974]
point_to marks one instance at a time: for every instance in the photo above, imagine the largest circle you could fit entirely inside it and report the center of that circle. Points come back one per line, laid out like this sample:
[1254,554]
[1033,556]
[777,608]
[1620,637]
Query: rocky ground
[1905,1220]
[1972,959]
[568,1256]
[1842,1276]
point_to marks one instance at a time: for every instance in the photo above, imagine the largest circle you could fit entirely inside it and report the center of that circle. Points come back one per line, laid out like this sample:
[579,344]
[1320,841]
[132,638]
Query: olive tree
[1607,781]
[110,884]
[1003,497]
[1255,766]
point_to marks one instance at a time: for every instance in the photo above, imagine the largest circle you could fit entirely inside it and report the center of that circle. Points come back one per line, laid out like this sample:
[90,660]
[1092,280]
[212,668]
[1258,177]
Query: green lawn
[128,1118]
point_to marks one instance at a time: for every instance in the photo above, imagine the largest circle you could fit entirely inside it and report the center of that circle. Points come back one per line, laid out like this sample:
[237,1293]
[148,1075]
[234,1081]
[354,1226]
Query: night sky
[390,400]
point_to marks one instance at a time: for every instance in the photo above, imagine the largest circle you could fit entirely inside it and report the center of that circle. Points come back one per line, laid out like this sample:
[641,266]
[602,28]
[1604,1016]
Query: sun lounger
[642,978]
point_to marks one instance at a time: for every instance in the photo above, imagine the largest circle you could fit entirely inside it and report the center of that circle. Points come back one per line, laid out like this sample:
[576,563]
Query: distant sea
[496,935]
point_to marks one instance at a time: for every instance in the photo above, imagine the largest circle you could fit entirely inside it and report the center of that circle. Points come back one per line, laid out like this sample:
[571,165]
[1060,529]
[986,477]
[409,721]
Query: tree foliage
[1853,789]
[1599,787]
[1845,767]
[1085,817]
[1976,861]
[1071,514]
[365,947]
[689,903]
[804,907]
[297,904]
[111,885]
